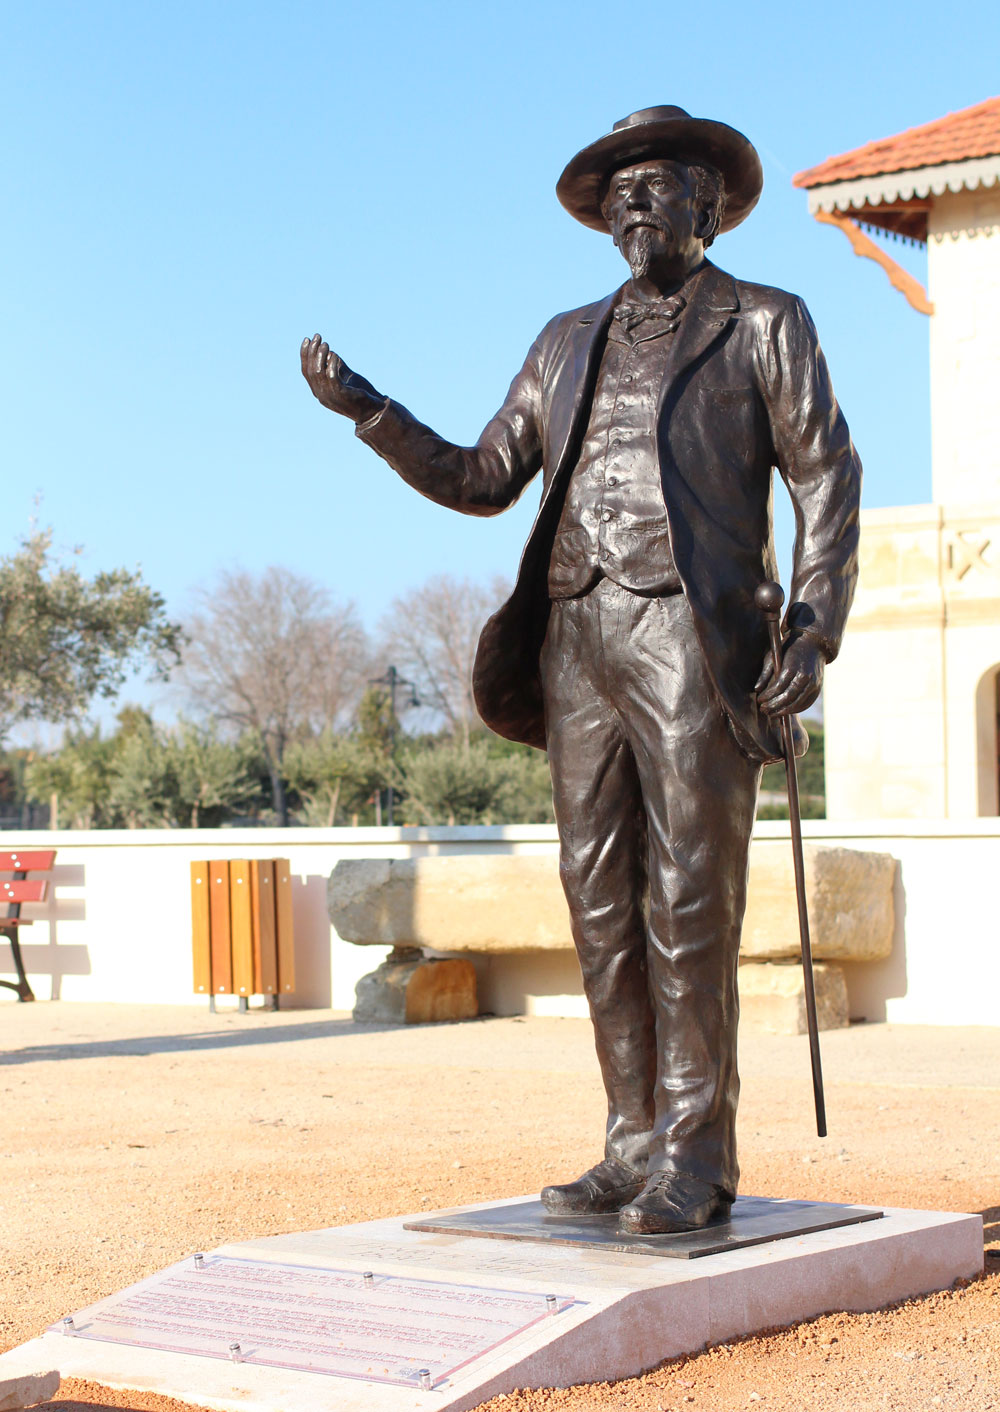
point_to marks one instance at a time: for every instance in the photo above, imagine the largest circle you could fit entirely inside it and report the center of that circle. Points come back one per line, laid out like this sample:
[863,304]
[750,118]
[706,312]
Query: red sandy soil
[135,1135]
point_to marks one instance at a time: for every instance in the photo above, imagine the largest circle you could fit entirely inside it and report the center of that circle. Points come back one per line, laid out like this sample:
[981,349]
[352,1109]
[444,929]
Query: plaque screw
[369,1279]
[550,1303]
[68,1326]
[199,1261]
[234,1353]
[425,1379]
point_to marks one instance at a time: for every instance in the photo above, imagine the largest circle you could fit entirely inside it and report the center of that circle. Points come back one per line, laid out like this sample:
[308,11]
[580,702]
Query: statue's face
[654,217]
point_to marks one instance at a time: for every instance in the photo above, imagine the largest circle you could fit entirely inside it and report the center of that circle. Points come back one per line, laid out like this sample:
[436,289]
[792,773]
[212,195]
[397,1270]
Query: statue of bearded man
[631,649]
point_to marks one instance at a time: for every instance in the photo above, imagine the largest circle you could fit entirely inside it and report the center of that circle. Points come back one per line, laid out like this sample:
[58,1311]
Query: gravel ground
[135,1135]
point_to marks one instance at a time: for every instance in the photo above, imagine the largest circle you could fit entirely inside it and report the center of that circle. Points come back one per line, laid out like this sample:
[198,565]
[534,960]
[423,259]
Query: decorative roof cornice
[919,183]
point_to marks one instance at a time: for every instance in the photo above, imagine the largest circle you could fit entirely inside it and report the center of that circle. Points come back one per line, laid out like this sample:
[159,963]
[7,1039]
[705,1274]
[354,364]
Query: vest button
[606,516]
[605,556]
[612,480]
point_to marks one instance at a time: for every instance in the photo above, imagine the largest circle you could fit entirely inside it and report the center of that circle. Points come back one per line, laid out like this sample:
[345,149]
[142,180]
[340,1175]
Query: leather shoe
[606,1187]
[672,1201]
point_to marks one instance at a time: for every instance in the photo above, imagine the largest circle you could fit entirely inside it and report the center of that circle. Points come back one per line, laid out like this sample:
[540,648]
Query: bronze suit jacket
[748,392]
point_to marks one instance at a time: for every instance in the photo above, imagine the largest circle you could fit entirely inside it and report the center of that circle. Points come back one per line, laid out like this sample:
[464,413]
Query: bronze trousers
[655,804]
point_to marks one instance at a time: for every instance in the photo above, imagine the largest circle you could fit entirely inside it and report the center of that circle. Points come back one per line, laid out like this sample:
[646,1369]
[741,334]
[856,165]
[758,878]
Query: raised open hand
[335,385]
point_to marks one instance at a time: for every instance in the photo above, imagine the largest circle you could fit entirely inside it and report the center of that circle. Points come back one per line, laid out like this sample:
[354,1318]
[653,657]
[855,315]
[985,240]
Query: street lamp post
[392,683]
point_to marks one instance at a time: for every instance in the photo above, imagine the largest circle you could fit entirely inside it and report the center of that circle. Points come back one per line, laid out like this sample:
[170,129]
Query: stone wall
[117,926]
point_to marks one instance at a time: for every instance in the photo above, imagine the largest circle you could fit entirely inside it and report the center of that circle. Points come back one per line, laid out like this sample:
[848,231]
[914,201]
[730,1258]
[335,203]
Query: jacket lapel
[573,380]
[712,303]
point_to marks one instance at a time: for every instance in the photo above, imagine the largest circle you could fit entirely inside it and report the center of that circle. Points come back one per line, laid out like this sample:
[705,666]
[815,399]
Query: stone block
[409,988]
[850,896]
[493,904]
[506,903]
[27,1390]
[773,998]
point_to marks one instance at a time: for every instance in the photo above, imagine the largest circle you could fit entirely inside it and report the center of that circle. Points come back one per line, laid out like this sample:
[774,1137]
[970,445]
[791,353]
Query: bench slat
[28,890]
[201,928]
[26,862]
[240,914]
[265,954]
[218,902]
[283,917]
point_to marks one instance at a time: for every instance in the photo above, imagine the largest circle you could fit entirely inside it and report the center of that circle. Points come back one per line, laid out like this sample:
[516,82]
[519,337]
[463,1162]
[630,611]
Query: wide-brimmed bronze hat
[661,133]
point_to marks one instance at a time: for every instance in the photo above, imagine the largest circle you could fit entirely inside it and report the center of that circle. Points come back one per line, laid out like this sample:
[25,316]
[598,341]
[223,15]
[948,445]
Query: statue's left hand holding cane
[790,682]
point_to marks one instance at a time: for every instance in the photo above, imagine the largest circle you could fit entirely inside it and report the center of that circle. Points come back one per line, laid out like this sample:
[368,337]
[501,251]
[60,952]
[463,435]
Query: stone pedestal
[424,1319]
[411,988]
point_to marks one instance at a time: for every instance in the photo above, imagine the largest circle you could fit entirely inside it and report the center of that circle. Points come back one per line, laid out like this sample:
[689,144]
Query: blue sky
[194,187]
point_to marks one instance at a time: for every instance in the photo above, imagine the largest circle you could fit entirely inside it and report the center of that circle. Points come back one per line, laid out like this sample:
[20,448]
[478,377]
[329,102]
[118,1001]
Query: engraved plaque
[382,1328]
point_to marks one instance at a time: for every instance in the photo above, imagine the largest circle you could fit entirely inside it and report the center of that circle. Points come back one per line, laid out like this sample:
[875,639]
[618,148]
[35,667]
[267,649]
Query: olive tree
[66,639]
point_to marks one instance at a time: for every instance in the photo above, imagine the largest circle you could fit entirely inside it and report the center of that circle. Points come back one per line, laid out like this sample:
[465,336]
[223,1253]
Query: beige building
[912,706]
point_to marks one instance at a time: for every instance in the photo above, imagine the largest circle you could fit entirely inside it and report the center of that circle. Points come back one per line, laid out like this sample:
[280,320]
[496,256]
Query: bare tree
[431,635]
[273,653]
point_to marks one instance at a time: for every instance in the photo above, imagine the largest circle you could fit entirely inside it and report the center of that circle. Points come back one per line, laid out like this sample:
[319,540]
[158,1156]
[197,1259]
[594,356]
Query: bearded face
[655,218]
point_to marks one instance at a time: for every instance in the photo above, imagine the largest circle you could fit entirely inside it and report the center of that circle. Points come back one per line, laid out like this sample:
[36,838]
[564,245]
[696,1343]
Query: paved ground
[135,1135]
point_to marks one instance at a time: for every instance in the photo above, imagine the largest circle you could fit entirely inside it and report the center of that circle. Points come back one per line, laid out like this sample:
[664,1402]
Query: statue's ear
[706,219]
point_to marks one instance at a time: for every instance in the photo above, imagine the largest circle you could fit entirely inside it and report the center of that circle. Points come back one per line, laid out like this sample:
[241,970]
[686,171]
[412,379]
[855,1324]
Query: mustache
[639,220]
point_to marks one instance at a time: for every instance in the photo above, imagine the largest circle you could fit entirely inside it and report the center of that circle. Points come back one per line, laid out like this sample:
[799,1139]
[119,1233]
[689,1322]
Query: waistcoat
[613,521]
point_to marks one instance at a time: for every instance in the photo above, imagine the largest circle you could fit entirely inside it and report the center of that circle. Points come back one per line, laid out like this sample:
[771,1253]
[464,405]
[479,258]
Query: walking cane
[769,598]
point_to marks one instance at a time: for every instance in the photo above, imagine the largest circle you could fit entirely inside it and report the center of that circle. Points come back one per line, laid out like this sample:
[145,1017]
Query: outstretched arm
[478,480]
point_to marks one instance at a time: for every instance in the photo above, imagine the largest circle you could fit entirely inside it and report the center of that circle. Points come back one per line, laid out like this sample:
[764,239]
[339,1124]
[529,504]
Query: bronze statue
[631,648]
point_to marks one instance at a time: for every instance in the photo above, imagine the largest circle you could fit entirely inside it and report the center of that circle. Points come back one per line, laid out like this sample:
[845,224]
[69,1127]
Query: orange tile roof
[972,132]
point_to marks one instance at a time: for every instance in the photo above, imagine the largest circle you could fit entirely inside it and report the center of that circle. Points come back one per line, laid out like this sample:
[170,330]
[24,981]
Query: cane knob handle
[769,598]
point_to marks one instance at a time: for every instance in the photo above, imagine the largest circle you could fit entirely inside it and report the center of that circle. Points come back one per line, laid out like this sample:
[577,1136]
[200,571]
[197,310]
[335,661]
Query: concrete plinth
[524,1314]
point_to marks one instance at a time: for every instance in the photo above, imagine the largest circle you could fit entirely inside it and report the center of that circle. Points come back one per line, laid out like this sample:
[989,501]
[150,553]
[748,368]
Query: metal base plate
[754,1220]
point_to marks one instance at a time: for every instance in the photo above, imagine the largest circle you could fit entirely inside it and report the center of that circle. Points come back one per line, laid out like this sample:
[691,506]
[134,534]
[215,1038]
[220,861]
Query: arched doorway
[988,740]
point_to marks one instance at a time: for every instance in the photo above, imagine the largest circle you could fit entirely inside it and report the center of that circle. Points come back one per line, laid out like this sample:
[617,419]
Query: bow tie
[630,314]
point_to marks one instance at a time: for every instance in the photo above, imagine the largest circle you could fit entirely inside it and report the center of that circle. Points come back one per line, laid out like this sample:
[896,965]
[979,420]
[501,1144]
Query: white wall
[909,733]
[945,962]
[963,271]
[117,926]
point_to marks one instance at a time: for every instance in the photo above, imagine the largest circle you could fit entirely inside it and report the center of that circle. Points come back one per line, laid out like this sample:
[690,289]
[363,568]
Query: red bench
[20,888]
